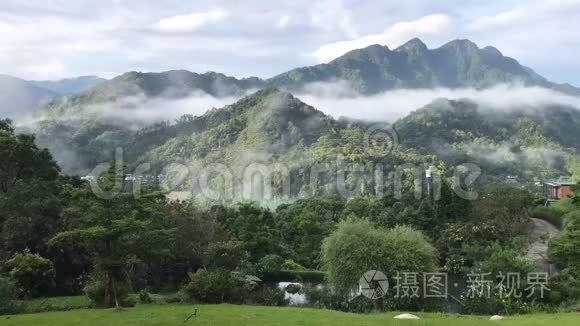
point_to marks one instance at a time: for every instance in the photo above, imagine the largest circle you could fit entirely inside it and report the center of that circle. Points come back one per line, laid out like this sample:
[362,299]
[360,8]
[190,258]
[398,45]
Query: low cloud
[338,99]
[138,111]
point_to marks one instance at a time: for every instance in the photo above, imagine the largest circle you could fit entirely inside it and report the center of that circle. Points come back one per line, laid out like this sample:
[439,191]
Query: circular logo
[374,284]
[380,139]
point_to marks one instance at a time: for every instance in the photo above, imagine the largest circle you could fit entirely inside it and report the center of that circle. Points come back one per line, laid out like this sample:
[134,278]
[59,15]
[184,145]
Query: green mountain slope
[533,145]
[169,84]
[265,125]
[272,128]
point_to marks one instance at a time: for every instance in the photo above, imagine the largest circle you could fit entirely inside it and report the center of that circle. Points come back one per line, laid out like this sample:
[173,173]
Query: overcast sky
[52,39]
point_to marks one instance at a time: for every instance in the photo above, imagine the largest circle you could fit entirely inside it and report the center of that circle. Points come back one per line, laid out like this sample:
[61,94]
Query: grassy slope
[258,316]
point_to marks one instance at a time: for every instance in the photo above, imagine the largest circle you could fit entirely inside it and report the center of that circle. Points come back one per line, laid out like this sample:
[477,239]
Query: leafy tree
[304,224]
[253,226]
[228,255]
[7,294]
[21,160]
[115,232]
[29,206]
[33,274]
[270,264]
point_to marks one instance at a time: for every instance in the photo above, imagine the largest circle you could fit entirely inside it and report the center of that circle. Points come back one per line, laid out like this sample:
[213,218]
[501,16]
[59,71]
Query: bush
[357,246]
[503,261]
[145,297]
[565,248]
[548,214]
[496,304]
[454,264]
[571,219]
[216,286]
[223,286]
[32,274]
[270,264]
[498,300]
[291,265]
[7,293]
[266,296]
[565,287]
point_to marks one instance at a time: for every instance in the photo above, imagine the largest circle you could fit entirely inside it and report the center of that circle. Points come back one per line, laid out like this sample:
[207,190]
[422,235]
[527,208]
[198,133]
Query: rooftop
[561,183]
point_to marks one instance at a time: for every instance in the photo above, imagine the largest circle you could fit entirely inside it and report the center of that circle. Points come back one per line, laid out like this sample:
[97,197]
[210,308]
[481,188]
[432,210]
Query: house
[556,190]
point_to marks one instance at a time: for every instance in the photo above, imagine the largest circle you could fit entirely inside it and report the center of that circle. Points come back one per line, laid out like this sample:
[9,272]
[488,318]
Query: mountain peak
[492,51]
[413,45]
[461,44]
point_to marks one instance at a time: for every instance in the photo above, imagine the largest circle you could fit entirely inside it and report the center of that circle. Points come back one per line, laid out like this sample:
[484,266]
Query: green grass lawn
[216,315]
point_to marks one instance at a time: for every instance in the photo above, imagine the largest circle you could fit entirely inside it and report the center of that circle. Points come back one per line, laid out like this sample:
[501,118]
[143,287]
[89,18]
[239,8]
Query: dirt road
[542,231]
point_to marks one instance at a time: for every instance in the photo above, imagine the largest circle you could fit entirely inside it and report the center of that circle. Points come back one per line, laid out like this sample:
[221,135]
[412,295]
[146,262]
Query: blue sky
[64,38]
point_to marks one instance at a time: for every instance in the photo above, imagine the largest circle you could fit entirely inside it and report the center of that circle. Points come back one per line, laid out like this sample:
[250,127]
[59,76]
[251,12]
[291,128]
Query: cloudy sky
[53,39]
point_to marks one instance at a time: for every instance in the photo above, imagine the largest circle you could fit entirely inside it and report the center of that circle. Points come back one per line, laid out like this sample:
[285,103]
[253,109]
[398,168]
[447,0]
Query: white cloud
[337,100]
[191,22]
[98,37]
[283,21]
[332,16]
[392,36]
[528,12]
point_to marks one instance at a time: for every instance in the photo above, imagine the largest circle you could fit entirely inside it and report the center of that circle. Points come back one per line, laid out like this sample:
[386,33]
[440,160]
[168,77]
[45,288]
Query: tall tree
[115,232]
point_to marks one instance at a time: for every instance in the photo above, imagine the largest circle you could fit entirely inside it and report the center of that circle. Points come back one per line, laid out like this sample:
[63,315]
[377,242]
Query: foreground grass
[175,314]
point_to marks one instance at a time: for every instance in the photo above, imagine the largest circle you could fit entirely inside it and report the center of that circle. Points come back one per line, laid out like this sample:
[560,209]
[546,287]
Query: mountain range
[270,124]
[19,97]
[457,64]
[368,71]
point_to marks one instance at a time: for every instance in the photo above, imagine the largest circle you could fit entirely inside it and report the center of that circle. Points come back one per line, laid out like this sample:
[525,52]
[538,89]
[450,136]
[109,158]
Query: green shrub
[493,303]
[571,219]
[266,296]
[223,286]
[291,265]
[503,261]
[454,264]
[565,287]
[7,293]
[32,274]
[270,264]
[357,246]
[216,286]
[548,214]
[564,249]
[145,297]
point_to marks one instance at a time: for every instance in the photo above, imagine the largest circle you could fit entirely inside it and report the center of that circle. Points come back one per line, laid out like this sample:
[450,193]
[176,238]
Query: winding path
[542,232]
